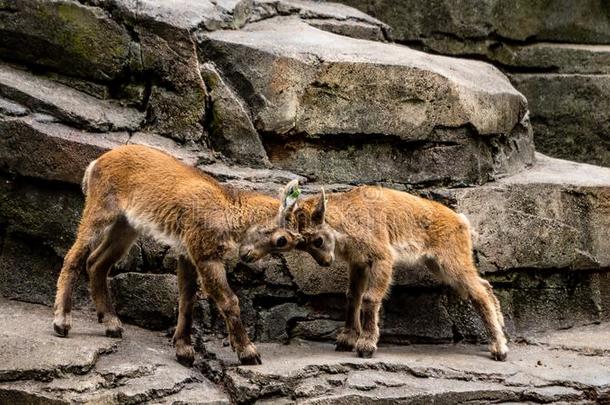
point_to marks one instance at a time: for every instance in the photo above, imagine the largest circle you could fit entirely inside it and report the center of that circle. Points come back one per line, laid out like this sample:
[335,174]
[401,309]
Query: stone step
[38,367]
[65,103]
[537,372]
[570,114]
[581,22]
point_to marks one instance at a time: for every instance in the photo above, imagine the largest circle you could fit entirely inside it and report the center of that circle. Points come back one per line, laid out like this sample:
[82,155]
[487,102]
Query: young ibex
[134,189]
[373,229]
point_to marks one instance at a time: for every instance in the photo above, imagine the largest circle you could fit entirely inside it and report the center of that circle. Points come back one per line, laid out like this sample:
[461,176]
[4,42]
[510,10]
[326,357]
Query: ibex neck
[250,208]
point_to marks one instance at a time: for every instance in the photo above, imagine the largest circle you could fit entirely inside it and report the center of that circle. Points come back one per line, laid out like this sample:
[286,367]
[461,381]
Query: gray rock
[148,300]
[29,272]
[38,367]
[12,109]
[557,58]
[51,151]
[354,29]
[570,114]
[417,316]
[419,373]
[561,204]
[185,15]
[314,280]
[317,329]
[514,20]
[329,16]
[43,211]
[274,323]
[231,131]
[66,36]
[324,120]
[66,103]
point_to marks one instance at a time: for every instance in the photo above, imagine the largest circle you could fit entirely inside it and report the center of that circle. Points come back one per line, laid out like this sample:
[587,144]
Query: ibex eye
[281,241]
[318,242]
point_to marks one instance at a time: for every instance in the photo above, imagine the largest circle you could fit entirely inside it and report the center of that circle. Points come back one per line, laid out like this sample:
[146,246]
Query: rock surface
[38,367]
[571,114]
[557,54]
[517,20]
[371,111]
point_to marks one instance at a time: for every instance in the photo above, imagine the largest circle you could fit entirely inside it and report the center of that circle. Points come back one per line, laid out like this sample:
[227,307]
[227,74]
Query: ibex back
[135,189]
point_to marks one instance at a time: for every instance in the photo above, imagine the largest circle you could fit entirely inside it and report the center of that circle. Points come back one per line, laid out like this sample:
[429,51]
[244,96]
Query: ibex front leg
[214,278]
[346,339]
[380,276]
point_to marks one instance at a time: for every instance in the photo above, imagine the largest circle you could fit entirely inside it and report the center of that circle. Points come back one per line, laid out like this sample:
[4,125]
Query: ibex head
[318,238]
[281,235]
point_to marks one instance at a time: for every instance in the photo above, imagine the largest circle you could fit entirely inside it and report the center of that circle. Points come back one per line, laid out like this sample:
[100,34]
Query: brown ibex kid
[373,229]
[135,189]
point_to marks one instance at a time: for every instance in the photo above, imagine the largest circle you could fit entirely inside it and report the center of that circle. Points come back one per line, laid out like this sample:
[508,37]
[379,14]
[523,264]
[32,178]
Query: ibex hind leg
[115,244]
[187,286]
[73,264]
[465,278]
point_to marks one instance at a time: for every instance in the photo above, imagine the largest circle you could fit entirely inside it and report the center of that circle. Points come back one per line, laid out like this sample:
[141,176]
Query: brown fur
[373,229]
[134,189]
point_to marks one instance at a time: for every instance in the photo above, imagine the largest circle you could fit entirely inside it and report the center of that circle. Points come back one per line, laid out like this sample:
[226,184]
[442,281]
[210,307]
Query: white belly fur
[407,253]
[145,226]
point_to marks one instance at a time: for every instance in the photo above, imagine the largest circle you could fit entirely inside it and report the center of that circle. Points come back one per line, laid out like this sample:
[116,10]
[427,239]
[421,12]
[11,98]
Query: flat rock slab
[564,206]
[38,367]
[315,373]
[66,103]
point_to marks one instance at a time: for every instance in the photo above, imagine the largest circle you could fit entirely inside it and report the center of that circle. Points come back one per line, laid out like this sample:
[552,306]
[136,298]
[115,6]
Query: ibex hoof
[185,354]
[61,330]
[253,360]
[249,356]
[499,356]
[499,351]
[366,354]
[114,333]
[186,361]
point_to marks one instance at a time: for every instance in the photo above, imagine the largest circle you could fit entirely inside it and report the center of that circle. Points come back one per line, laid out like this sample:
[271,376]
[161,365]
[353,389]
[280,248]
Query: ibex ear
[317,216]
[288,201]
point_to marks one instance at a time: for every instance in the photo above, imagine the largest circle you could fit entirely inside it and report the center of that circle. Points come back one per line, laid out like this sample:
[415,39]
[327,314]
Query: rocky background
[557,53]
[256,92]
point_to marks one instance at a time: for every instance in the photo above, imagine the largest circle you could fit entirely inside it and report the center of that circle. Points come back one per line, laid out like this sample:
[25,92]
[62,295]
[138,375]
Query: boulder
[544,371]
[29,270]
[329,16]
[562,205]
[570,114]
[65,103]
[66,36]
[274,324]
[231,130]
[148,300]
[354,109]
[38,367]
[37,147]
[553,58]
[510,20]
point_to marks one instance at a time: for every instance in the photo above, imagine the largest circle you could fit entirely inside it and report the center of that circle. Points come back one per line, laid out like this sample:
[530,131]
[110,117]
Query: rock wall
[557,53]
[259,92]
